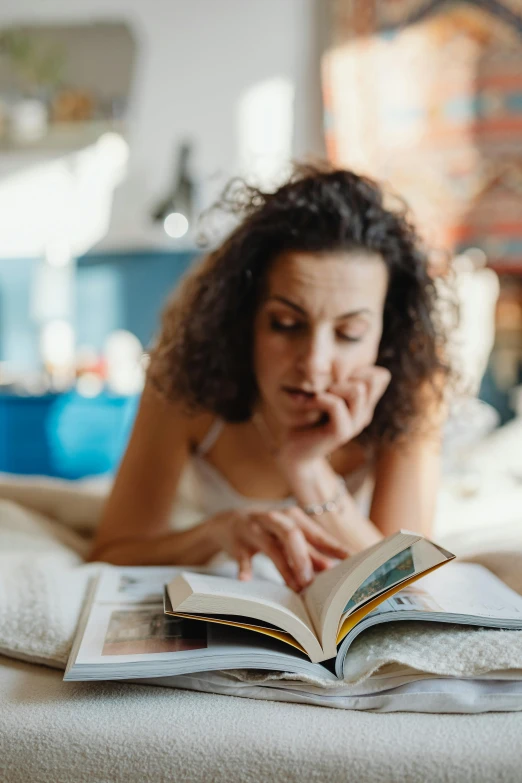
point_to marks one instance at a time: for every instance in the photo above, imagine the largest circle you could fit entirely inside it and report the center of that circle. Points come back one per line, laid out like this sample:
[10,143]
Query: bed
[53,731]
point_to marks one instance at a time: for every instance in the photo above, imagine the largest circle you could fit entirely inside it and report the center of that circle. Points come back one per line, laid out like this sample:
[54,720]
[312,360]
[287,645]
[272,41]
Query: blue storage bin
[64,435]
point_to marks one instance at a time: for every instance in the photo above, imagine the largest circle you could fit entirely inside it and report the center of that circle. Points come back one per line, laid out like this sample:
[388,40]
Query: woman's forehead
[333,279]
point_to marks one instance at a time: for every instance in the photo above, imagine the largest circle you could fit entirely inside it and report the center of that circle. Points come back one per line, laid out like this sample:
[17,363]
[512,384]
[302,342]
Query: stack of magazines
[156,623]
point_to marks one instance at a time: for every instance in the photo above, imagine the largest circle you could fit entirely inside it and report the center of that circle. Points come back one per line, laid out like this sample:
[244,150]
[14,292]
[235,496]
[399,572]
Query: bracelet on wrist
[334,504]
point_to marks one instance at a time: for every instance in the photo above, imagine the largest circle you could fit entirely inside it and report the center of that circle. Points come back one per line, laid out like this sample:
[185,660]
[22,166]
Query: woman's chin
[290,415]
[288,419]
[302,419]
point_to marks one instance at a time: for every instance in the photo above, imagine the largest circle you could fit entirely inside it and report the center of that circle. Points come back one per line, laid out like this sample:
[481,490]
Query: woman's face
[319,320]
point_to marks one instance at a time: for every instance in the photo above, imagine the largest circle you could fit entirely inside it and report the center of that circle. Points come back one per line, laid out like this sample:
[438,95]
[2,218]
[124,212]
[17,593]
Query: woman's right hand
[342,413]
[298,546]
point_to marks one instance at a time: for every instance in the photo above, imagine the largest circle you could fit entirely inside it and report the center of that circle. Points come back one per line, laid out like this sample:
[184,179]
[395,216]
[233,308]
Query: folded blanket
[43,580]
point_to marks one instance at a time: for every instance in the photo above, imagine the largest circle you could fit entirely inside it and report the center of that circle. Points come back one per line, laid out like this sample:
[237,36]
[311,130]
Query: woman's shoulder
[193,425]
[200,426]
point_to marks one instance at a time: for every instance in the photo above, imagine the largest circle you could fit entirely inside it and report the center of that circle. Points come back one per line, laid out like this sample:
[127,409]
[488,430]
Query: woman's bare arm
[406,483]
[189,547]
[407,476]
[134,523]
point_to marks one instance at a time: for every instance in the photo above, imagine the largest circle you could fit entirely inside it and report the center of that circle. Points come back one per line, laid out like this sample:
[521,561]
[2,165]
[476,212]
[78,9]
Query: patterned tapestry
[428,97]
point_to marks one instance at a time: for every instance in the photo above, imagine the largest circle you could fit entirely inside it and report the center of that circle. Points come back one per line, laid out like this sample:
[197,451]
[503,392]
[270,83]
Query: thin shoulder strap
[211,437]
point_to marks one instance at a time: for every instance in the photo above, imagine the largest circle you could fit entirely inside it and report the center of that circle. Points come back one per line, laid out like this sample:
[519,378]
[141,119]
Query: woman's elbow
[109,552]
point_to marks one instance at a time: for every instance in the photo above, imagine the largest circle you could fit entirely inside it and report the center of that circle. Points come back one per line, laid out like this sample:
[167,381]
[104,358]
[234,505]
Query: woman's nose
[316,358]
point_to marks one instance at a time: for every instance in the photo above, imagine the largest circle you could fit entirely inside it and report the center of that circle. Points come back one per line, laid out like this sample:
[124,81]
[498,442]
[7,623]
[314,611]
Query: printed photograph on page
[148,631]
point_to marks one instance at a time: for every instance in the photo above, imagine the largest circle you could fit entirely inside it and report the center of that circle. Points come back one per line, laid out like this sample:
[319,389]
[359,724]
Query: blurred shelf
[63,137]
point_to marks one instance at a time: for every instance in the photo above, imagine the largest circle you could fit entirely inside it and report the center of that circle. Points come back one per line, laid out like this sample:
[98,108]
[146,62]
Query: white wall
[196,58]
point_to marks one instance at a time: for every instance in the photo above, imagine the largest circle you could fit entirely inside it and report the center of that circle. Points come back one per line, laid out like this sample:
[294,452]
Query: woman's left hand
[342,413]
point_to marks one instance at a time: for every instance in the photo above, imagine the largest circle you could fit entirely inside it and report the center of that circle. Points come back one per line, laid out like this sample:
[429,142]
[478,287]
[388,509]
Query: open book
[124,632]
[316,621]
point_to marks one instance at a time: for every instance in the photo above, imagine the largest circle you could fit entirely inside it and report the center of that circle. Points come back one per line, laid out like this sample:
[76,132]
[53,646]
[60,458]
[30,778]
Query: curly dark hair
[204,352]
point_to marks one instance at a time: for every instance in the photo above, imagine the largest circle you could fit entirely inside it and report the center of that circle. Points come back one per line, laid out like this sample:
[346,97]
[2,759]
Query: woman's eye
[284,324]
[349,338]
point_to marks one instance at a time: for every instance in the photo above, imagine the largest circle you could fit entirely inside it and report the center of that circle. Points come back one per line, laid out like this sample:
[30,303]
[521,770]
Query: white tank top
[203,491]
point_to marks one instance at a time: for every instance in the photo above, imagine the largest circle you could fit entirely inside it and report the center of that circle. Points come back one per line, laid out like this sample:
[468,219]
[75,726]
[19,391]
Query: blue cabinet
[64,435]
[124,290]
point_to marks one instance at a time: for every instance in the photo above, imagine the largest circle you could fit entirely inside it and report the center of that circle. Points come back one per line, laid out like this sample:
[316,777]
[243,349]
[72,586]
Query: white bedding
[100,732]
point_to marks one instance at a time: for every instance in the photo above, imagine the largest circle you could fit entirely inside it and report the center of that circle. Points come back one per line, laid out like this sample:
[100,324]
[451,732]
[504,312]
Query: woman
[300,357]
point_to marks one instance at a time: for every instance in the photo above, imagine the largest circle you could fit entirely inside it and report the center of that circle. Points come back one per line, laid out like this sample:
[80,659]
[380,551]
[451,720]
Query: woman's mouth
[298,395]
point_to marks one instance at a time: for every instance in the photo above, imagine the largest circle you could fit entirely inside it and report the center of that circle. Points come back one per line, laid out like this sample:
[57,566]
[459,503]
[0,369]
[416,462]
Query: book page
[409,565]
[390,573]
[327,596]
[318,595]
[421,556]
[204,594]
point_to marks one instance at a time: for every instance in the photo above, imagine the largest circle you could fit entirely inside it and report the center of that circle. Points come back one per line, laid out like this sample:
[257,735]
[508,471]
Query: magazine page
[463,593]
[465,589]
[125,633]
[126,623]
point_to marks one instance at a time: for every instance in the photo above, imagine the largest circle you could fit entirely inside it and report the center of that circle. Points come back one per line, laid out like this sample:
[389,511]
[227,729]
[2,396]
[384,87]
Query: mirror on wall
[62,86]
